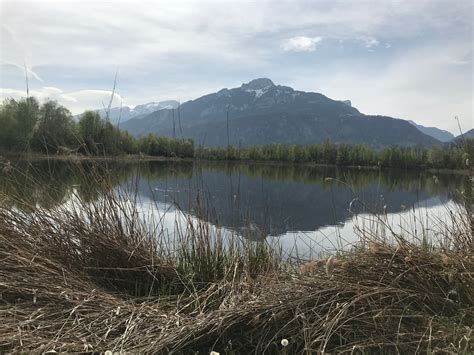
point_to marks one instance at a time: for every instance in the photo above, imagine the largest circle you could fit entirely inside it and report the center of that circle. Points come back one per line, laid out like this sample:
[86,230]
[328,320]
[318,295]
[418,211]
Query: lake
[306,209]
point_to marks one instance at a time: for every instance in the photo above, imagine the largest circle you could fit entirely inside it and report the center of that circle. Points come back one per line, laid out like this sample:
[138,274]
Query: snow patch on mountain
[258,92]
[125,113]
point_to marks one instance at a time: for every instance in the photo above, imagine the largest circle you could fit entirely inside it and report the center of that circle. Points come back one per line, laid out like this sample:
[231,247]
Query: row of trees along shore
[49,128]
[452,156]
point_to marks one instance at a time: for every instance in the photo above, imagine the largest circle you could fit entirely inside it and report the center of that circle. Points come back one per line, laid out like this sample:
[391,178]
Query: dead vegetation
[91,277]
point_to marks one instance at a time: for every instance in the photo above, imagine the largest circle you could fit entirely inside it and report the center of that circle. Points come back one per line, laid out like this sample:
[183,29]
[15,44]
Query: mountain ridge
[261,112]
[466,135]
[122,114]
[439,134]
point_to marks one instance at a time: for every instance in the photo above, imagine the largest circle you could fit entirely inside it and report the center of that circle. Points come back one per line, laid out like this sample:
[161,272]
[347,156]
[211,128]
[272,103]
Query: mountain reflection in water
[255,199]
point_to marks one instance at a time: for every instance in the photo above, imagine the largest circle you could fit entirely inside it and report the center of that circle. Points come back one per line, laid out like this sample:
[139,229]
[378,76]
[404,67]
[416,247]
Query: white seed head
[330,266]
[284,342]
[108,352]
[214,353]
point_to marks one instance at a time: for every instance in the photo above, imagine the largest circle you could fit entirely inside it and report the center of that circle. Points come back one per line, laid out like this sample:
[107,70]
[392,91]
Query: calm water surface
[311,209]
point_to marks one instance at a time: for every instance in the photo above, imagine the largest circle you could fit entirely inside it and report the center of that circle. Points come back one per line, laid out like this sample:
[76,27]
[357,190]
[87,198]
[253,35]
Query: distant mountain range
[467,135]
[260,112]
[439,134]
[125,113]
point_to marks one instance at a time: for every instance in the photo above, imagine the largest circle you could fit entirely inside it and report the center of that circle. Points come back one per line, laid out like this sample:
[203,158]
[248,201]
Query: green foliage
[164,146]
[8,124]
[17,121]
[439,157]
[55,128]
[49,128]
[91,128]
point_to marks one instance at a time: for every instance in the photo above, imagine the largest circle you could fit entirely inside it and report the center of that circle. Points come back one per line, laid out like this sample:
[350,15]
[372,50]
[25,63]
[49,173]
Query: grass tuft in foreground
[94,277]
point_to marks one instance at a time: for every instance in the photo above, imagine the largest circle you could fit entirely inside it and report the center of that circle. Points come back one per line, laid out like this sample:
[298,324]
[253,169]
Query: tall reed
[95,275]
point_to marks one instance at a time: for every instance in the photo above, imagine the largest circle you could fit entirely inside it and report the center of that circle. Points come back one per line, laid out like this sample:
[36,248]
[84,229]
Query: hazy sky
[407,59]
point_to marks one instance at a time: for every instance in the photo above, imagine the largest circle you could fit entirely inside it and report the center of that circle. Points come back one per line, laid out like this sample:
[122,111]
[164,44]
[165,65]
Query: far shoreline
[148,158]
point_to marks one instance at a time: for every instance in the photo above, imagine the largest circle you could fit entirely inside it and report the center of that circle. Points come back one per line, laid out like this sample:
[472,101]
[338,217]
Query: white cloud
[22,69]
[186,48]
[301,44]
[100,33]
[370,42]
[76,101]
[421,84]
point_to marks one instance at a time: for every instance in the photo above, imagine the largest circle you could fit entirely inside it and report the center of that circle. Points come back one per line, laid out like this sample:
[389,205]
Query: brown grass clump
[388,298]
[92,277]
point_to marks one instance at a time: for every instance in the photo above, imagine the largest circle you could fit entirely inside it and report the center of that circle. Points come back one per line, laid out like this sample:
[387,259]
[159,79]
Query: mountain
[260,112]
[126,113]
[439,134]
[467,135]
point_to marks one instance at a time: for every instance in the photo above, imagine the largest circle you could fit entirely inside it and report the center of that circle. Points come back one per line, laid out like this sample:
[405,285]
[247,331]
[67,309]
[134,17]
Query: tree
[7,124]
[91,127]
[17,121]
[329,153]
[55,128]
[27,117]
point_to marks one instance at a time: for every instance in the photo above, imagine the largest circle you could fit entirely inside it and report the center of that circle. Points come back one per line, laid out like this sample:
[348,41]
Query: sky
[407,59]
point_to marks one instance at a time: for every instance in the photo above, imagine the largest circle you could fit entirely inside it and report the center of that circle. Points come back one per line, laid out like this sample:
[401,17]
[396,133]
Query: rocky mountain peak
[258,84]
[154,106]
[264,113]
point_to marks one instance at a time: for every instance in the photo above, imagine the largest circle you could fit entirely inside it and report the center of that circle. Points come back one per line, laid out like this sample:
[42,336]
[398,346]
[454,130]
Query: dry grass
[94,277]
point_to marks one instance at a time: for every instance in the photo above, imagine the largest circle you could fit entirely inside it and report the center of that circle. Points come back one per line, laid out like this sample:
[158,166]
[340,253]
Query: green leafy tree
[55,128]
[91,127]
[17,121]
[7,124]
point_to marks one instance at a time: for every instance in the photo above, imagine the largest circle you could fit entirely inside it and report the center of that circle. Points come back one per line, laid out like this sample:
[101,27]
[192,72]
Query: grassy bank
[33,156]
[91,277]
[73,158]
